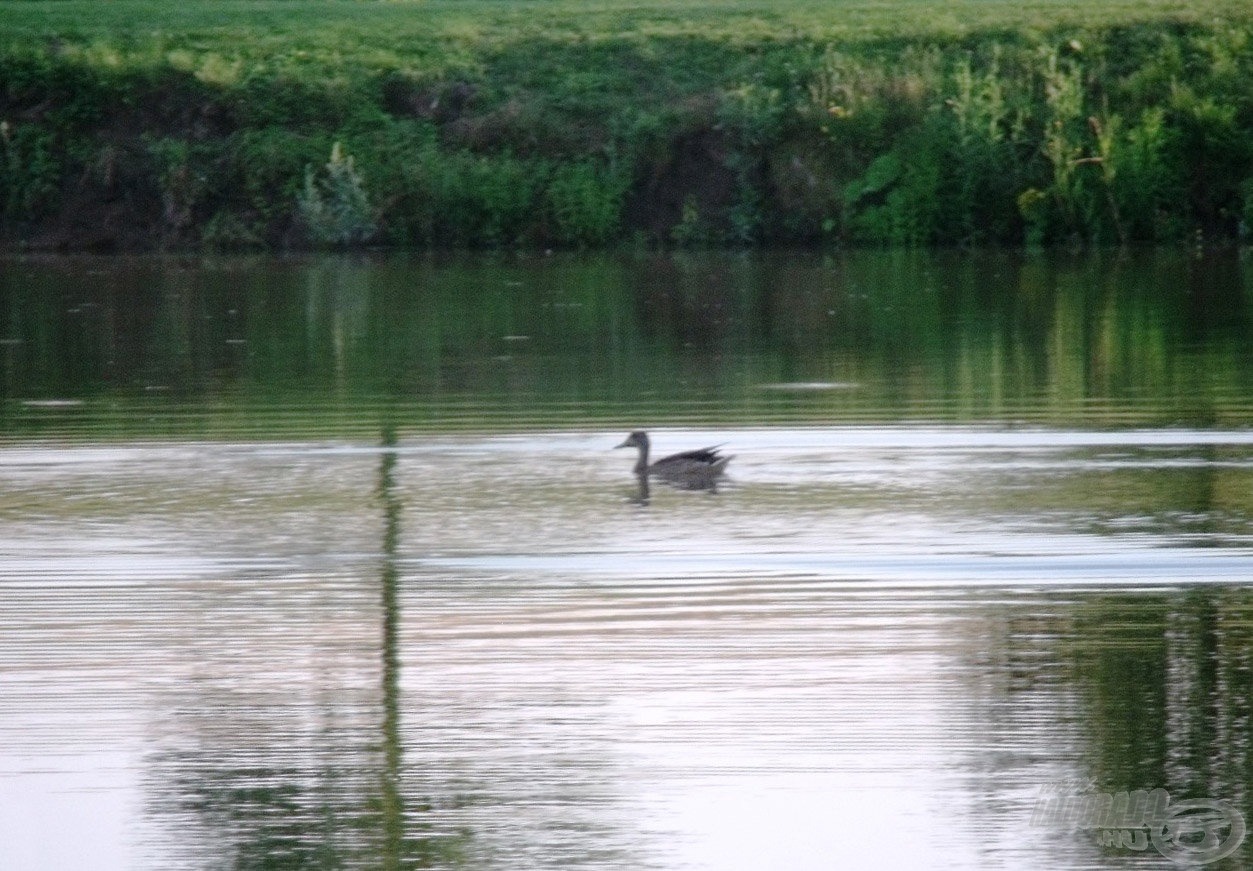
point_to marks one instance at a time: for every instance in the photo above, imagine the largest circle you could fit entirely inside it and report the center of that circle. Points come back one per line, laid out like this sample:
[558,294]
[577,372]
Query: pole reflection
[391,798]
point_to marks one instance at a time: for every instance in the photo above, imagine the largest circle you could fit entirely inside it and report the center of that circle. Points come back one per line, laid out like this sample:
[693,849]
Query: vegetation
[451,123]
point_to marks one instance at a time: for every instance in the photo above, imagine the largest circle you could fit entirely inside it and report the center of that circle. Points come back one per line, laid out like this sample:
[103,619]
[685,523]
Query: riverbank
[135,125]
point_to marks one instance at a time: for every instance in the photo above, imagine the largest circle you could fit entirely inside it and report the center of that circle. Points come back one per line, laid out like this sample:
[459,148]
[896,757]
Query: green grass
[556,122]
[478,22]
[224,41]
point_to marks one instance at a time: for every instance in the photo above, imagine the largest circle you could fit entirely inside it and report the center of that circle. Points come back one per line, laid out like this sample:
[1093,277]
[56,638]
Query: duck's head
[637,439]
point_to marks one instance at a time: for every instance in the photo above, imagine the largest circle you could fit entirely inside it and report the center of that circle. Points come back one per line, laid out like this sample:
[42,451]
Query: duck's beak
[625,444]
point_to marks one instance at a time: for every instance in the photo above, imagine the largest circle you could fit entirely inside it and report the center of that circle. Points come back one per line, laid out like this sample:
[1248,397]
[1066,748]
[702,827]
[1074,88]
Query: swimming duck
[689,470]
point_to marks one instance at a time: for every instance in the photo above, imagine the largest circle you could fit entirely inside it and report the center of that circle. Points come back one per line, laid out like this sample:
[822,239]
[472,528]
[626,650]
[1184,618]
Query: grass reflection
[262,347]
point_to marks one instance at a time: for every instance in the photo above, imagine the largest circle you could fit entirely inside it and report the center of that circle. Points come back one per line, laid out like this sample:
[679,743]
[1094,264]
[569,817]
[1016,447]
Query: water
[329,563]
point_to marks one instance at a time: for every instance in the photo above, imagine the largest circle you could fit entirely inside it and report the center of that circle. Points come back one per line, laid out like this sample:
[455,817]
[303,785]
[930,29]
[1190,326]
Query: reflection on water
[255,348]
[463,651]
[324,565]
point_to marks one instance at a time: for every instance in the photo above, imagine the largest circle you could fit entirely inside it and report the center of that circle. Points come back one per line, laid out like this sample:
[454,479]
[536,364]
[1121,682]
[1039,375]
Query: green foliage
[500,194]
[585,202]
[489,123]
[1033,207]
[183,171]
[754,118]
[32,170]
[1218,148]
[1022,145]
[952,178]
[334,205]
[1246,215]
[263,172]
[1064,134]
[459,199]
[898,200]
[42,103]
[229,231]
[689,230]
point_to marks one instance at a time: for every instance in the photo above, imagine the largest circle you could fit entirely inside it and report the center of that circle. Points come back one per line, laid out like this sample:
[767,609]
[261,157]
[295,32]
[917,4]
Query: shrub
[32,170]
[334,206]
[585,203]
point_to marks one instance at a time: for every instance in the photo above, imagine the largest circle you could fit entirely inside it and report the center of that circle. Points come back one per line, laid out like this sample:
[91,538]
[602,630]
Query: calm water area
[329,562]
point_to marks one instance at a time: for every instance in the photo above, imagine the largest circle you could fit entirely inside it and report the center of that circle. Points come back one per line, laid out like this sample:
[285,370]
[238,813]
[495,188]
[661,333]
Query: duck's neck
[641,465]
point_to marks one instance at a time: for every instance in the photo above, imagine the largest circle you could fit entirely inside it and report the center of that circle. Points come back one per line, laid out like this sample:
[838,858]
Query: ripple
[475,649]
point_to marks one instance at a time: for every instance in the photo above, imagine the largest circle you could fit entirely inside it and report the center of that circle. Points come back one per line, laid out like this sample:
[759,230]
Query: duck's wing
[705,456]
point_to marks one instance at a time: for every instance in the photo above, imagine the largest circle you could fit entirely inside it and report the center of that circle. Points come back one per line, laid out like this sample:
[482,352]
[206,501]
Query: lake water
[329,562]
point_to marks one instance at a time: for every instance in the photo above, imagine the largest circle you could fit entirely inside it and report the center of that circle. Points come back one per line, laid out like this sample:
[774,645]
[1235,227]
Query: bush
[334,206]
[32,170]
[747,132]
[585,204]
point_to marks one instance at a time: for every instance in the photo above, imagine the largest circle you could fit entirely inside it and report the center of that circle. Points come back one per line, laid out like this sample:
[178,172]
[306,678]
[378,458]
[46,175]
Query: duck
[689,470]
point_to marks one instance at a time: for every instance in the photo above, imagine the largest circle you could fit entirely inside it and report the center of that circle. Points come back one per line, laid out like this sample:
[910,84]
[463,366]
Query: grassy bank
[272,123]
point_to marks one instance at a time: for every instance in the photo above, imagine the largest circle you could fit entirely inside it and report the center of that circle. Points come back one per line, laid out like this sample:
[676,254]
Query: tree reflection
[1164,685]
[1103,693]
[1162,337]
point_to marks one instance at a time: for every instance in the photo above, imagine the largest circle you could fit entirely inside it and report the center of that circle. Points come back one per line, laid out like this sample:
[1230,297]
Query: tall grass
[555,123]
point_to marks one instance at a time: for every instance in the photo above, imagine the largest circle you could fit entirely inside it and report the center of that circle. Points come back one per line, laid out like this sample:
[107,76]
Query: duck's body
[690,470]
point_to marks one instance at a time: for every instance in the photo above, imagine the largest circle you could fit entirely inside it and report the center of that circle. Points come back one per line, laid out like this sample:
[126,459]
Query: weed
[32,170]
[490,123]
[334,206]
[585,203]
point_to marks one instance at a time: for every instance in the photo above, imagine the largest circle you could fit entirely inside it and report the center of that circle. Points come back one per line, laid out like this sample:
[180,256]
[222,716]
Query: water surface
[329,563]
